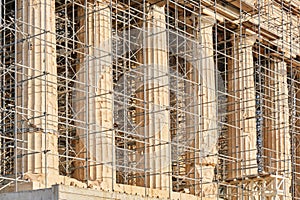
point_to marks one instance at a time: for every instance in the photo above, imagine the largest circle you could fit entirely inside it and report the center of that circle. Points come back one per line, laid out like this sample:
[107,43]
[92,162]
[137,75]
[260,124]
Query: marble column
[154,153]
[209,136]
[37,88]
[241,109]
[276,140]
[276,134]
[202,132]
[94,100]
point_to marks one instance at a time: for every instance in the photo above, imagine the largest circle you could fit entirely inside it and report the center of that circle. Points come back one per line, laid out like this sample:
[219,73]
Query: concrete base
[31,191]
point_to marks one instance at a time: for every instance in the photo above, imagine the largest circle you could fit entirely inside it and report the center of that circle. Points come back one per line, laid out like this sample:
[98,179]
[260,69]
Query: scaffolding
[164,97]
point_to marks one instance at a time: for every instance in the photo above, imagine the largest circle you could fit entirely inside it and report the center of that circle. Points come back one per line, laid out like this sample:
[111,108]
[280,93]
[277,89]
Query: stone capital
[203,21]
[158,3]
[250,40]
[244,39]
[277,59]
[207,21]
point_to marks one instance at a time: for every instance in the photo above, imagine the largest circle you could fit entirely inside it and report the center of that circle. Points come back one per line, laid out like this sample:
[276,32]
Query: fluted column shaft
[155,125]
[282,144]
[208,142]
[37,90]
[241,108]
[94,100]
[204,134]
[276,128]
[276,134]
